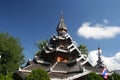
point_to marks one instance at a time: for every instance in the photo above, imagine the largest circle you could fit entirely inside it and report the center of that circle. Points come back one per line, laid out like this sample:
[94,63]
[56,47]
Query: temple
[61,58]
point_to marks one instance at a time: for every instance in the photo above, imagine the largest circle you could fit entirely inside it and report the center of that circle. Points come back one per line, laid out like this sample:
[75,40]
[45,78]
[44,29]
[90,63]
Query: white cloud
[98,31]
[117,57]
[112,63]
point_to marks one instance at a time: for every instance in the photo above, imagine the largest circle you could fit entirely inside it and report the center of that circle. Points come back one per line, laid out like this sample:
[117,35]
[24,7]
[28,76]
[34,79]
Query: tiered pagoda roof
[60,58]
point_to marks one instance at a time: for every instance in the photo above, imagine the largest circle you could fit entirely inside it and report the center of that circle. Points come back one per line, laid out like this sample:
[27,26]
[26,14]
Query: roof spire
[61,27]
[99,62]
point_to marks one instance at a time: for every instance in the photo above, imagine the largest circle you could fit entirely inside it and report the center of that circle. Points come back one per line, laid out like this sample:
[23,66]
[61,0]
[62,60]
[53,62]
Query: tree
[41,44]
[38,74]
[6,77]
[11,53]
[83,49]
[114,76]
[93,76]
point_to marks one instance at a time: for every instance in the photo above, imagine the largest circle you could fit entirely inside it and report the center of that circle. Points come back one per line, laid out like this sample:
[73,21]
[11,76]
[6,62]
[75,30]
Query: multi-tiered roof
[60,58]
[61,47]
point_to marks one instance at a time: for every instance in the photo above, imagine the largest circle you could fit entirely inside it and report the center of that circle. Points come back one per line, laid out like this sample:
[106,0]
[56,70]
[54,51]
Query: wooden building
[60,58]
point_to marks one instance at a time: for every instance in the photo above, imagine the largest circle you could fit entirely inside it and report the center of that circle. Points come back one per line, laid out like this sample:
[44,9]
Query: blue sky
[35,20]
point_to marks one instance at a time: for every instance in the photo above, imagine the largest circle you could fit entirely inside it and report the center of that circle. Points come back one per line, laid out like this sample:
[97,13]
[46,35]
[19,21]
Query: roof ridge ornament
[61,14]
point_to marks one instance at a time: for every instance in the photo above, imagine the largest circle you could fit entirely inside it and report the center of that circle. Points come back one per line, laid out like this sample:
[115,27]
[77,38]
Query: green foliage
[11,53]
[41,44]
[93,76]
[83,49]
[115,76]
[6,77]
[38,74]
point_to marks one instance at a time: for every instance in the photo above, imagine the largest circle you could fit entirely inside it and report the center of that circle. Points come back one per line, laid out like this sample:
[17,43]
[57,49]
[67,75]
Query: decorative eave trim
[79,75]
[58,71]
[27,66]
[50,48]
[84,62]
[61,50]
[74,47]
[78,59]
[62,38]
[22,70]
[81,57]
[41,61]
[74,76]
[48,51]
[70,45]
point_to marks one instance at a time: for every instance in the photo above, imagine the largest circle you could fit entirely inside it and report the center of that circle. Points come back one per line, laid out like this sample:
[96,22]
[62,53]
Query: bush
[38,74]
[6,77]
[115,76]
[94,76]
